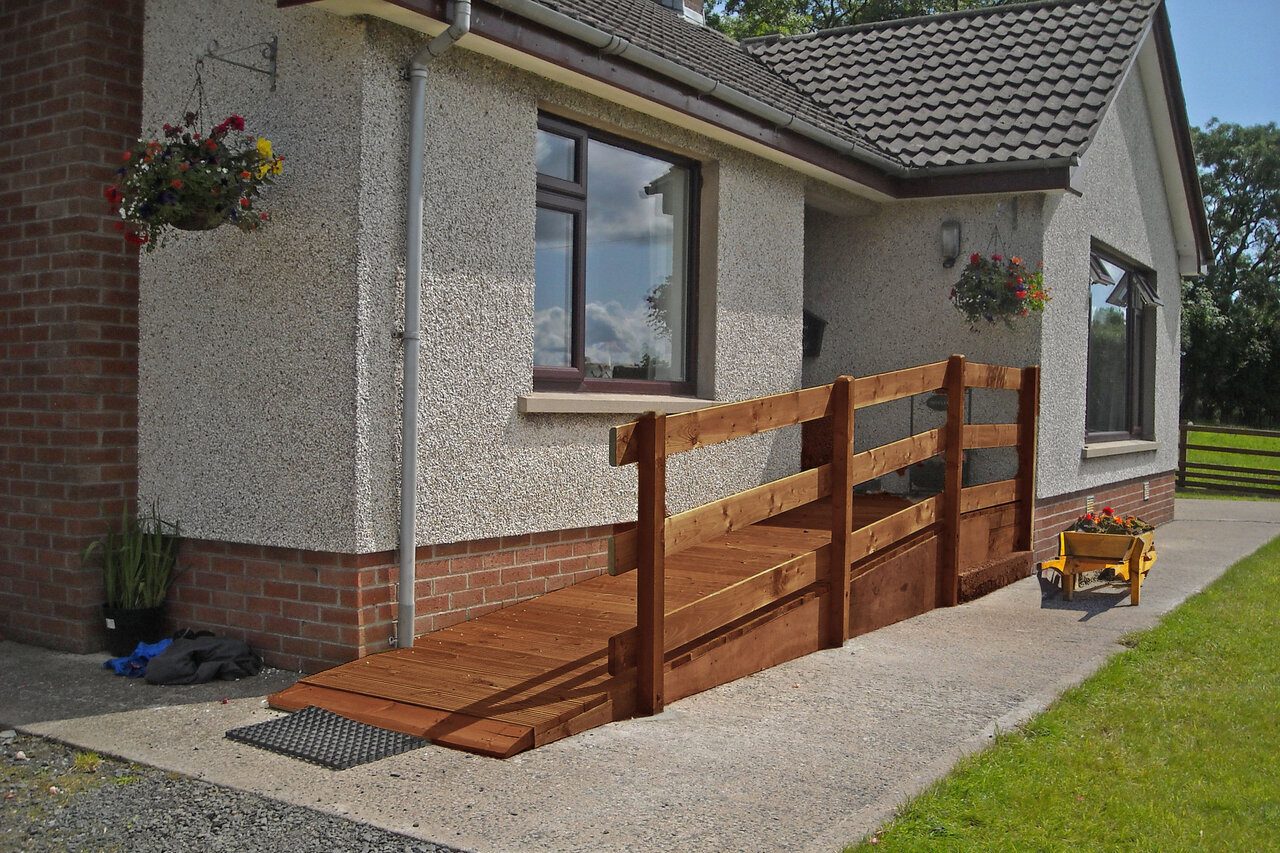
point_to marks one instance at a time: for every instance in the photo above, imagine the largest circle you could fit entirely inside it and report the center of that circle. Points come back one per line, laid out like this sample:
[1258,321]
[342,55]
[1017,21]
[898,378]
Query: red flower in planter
[1106,510]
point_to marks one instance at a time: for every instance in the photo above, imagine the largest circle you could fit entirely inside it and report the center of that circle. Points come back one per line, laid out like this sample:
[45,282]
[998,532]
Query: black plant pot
[127,628]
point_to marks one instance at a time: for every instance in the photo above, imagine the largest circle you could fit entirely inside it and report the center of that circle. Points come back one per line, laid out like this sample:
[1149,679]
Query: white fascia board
[1184,229]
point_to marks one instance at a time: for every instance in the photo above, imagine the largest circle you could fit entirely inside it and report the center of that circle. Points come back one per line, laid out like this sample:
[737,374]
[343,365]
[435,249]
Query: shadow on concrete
[1090,601]
[39,685]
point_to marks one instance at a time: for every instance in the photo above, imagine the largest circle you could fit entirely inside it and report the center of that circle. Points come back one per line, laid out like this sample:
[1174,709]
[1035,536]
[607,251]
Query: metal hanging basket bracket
[268,49]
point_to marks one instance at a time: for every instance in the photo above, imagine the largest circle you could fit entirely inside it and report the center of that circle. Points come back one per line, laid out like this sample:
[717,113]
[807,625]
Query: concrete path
[806,756]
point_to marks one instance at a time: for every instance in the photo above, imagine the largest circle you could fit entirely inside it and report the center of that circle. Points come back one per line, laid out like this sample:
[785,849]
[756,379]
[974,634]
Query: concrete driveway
[805,756]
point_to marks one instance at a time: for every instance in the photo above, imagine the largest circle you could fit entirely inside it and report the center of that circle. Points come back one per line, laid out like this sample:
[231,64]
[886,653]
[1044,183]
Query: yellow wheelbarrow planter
[1130,557]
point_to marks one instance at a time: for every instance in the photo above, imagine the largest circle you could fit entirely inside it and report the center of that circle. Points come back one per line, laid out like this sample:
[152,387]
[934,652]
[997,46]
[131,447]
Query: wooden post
[1181,481]
[841,510]
[1028,423]
[651,559]
[953,482]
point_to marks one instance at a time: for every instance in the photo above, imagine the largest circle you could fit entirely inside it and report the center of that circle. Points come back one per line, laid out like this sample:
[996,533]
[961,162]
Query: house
[622,211]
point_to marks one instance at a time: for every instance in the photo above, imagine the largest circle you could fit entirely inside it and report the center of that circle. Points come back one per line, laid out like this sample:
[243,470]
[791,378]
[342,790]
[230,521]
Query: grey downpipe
[406,592]
[611,44]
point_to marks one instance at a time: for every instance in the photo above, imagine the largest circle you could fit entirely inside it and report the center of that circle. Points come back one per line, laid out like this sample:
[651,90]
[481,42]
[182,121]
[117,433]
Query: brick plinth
[70,102]
[1053,515]
[308,610]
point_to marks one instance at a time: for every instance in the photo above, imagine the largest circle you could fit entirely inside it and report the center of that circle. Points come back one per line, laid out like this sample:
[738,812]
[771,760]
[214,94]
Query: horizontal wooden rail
[978,436]
[746,508]
[978,375]
[1234,469]
[715,424]
[1244,451]
[988,495]
[883,533]
[887,387]
[710,614]
[1270,478]
[1233,488]
[1267,433]
[881,460]
[726,515]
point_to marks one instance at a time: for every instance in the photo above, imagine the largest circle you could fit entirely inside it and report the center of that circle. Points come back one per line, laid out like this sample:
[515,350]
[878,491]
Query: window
[615,290]
[1122,302]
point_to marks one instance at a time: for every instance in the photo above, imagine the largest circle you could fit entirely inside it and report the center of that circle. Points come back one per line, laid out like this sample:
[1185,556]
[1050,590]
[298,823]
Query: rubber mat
[325,738]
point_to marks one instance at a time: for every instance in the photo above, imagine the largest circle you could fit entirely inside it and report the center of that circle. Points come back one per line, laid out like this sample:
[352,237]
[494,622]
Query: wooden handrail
[691,527]
[973,498]
[727,421]
[887,387]
[715,424]
[979,436]
[648,442]
[895,455]
[978,375]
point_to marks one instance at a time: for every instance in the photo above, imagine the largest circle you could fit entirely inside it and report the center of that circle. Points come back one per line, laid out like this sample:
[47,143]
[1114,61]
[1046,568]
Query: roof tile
[1004,84]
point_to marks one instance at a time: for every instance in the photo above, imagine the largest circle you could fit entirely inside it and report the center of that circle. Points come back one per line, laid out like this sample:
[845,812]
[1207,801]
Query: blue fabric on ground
[135,665]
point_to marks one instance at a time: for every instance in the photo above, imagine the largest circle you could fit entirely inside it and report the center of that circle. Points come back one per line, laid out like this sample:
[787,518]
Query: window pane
[1107,408]
[637,249]
[553,288]
[556,156]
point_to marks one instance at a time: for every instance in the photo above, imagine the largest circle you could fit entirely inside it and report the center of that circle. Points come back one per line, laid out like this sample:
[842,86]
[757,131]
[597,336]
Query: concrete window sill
[567,402]
[1118,448]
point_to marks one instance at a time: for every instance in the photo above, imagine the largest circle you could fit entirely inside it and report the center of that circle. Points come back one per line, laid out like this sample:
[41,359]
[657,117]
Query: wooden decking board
[537,671]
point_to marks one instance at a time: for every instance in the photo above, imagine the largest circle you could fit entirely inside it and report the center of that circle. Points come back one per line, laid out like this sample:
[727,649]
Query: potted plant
[139,563]
[186,181]
[1117,548]
[999,288]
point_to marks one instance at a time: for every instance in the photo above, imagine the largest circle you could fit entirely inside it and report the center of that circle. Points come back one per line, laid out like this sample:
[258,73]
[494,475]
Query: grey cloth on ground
[201,659]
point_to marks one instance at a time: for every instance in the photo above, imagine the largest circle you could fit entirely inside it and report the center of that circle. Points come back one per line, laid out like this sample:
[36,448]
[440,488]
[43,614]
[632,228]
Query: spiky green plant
[139,560]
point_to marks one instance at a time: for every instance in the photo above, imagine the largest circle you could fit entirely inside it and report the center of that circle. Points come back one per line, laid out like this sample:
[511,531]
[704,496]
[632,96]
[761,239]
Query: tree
[746,18]
[1231,316]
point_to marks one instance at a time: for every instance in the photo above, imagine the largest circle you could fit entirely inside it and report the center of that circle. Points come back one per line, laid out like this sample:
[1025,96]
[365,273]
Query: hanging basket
[997,288]
[201,220]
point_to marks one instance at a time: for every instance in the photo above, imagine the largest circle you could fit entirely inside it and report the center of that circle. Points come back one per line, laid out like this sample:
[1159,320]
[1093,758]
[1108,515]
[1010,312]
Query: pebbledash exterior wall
[70,82]
[269,399]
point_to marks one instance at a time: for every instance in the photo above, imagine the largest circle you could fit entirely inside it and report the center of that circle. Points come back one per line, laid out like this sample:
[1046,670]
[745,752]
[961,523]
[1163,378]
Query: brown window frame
[1137,317]
[571,197]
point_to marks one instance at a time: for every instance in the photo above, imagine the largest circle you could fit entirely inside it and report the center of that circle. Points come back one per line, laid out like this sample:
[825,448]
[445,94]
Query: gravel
[56,798]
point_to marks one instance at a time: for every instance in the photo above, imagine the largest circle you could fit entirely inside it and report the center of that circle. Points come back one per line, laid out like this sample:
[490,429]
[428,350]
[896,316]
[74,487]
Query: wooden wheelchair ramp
[744,583]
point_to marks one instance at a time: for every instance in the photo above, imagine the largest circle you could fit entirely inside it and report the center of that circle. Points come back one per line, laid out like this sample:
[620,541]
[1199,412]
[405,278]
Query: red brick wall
[70,102]
[1053,515]
[307,610]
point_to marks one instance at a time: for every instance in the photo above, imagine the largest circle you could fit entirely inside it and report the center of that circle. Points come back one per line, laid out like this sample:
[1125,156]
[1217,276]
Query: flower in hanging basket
[186,181]
[997,287]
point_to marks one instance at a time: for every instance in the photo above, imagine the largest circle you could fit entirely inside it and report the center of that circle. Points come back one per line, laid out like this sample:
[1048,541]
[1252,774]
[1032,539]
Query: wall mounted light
[950,243]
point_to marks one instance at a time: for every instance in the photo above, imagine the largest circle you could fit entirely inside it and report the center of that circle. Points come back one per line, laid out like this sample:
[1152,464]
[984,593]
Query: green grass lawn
[1252,442]
[1173,745]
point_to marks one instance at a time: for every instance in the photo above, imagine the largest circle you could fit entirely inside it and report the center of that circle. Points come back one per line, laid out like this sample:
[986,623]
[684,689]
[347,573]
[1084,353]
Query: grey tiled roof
[648,24]
[1006,84]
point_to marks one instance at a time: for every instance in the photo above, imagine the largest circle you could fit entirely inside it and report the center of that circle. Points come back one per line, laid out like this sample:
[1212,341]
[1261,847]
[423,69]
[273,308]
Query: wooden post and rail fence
[1231,479]
[649,441]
